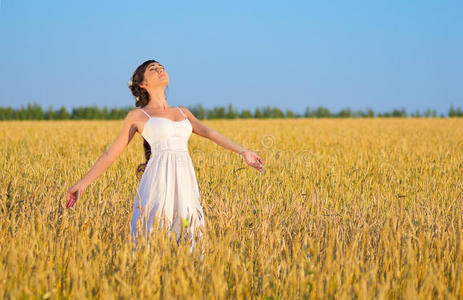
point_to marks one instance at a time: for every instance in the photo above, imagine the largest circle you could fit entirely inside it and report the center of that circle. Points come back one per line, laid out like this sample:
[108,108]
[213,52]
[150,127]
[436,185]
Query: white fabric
[168,187]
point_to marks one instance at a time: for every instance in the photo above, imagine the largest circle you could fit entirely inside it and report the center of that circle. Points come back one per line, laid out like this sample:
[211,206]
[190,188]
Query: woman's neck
[157,99]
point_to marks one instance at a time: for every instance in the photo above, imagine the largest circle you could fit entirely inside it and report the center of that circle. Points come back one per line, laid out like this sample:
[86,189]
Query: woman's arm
[201,129]
[126,134]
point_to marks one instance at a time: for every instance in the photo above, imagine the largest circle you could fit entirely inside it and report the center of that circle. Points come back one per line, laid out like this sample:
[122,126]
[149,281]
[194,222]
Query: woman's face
[155,75]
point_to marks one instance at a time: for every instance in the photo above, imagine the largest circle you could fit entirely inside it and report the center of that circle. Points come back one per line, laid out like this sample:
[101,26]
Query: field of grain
[347,208]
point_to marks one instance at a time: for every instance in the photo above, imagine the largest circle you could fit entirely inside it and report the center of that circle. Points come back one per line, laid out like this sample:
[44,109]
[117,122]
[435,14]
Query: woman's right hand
[74,194]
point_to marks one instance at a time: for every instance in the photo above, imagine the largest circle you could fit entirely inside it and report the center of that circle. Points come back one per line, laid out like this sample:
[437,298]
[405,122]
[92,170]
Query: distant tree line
[35,112]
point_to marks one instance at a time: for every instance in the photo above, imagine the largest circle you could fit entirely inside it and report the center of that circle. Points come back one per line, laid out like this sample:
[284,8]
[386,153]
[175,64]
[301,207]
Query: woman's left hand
[253,160]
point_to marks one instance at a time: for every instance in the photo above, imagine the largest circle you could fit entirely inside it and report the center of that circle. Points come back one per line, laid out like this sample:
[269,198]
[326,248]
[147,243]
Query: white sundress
[168,187]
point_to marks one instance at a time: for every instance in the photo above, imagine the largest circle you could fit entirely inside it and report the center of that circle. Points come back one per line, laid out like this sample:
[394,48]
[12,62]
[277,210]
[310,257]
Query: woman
[168,186]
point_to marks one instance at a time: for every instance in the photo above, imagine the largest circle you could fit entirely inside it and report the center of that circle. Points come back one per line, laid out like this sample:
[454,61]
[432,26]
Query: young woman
[168,186]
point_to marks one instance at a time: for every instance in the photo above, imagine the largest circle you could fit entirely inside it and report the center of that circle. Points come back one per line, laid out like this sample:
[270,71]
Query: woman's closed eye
[157,69]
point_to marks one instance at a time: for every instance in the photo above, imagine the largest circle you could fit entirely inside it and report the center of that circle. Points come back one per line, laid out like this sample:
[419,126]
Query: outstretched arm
[126,134]
[201,129]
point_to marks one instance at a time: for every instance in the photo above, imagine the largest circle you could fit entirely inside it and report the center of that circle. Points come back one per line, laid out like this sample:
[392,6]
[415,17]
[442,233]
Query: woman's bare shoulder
[135,117]
[185,110]
[135,114]
[135,111]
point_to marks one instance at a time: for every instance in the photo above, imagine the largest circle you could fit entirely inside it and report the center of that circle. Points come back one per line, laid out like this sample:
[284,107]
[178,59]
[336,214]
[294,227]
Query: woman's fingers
[73,200]
[69,200]
[76,197]
[72,197]
[254,161]
[258,158]
[257,166]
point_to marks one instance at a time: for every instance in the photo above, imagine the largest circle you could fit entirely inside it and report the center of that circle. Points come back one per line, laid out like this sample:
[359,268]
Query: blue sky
[289,54]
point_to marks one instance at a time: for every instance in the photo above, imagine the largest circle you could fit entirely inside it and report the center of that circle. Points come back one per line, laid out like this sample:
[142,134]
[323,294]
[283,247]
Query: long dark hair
[142,98]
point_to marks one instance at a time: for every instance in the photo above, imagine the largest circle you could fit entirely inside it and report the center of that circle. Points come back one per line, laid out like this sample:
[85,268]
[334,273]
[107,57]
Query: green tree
[417,114]
[459,112]
[289,113]
[322,112]
[209,113]
[63,114]
[50,113]
[345,113]
[231,112]
[267,111]
[308,113]
[277,113]
[370,113]
[427,113]
[246,114]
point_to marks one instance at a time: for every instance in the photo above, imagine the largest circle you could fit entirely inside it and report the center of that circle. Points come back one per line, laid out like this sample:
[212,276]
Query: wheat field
[347,209]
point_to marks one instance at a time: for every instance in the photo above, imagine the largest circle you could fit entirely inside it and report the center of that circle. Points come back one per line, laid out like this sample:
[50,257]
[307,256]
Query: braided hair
[142,98]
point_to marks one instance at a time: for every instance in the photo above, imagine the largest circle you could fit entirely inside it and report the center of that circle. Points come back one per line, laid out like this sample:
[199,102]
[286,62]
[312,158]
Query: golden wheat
[350,208]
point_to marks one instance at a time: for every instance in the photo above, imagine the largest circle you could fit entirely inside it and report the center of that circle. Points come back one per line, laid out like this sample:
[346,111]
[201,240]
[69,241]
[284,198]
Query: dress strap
[145,112]
[182,112]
